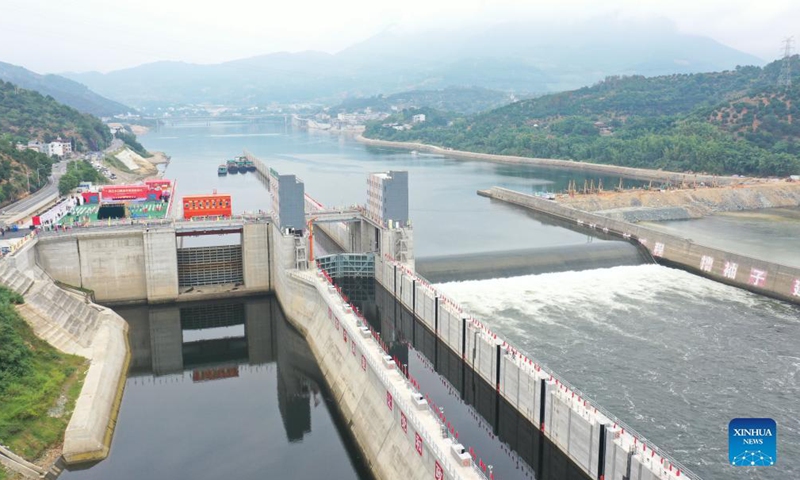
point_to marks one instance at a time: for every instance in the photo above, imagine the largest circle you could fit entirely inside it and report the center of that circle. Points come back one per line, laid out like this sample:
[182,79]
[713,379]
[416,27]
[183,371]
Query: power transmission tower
[785,78]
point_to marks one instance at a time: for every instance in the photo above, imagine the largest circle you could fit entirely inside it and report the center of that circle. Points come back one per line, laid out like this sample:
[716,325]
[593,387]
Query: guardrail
[380,370]
[629,437]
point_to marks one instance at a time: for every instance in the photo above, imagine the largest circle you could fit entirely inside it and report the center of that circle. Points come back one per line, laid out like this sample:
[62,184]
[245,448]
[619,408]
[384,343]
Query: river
[674,355]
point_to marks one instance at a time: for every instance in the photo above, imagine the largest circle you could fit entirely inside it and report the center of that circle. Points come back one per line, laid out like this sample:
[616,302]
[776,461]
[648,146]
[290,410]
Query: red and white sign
[403,422]
[730,270]
[658,249]
[363,363]
[706,263]
[796,287]
[757,277]
[438,472]
[389,400]
[418,443]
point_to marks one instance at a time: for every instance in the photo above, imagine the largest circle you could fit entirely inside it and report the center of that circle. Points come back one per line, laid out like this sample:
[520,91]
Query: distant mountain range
[739,121]
[451,99]
[516,57]
[64,90]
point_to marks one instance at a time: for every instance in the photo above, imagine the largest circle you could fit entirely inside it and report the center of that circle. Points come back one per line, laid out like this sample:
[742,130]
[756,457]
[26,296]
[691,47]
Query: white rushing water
[674,355]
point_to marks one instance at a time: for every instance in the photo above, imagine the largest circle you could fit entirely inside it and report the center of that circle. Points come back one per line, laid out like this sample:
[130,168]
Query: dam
[399,429]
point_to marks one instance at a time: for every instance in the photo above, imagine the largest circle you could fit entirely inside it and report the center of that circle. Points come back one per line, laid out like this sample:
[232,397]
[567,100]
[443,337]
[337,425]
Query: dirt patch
[695,202]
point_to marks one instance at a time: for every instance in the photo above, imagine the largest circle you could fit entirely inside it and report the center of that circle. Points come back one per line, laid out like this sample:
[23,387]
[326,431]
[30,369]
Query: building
[59,148]
[387,197]
[288,200]
[418,118]
[214,205]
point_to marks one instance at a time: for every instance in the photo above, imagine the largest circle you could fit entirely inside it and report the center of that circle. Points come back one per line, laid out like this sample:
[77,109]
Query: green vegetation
[77,172]
[63,90]
[466,100]
[38,384]
[116,163]
[734,122]
[18,167]
[130,140]
[27,115]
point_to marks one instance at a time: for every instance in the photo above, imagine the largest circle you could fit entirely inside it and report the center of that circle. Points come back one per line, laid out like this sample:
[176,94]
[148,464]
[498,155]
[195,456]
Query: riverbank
[72,324]
[684,204]
[625,172]
[39,387]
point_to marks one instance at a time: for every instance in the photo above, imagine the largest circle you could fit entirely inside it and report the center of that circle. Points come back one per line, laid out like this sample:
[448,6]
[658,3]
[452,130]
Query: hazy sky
[79,35]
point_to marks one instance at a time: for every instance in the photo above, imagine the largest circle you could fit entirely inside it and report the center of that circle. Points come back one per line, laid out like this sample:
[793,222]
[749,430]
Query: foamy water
[674,355]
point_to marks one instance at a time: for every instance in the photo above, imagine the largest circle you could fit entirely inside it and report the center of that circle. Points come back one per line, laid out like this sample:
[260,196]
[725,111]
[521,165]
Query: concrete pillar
[161,265]
[166,340]
[255,256]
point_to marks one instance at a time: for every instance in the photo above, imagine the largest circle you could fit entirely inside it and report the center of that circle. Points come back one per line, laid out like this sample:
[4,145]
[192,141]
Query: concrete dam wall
[759,276]
[137,264]
[394,427]
[482,266]
[599,443]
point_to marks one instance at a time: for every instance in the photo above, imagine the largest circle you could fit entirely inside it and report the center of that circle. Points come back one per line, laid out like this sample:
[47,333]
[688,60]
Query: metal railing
[380,371]
[520,357]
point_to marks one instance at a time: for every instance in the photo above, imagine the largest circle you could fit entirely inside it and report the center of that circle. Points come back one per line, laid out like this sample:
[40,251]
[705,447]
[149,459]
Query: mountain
[451,99]
[520,57]
[27,115]
[734,122]
[62,89]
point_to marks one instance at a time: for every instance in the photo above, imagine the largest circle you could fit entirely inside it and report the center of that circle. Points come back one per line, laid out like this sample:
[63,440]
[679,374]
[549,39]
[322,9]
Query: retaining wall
[627,172]
[73,325]
[596,441]
[399,436]
[766,278]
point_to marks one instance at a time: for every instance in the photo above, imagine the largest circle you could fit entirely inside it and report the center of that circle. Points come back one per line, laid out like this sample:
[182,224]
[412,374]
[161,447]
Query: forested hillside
[27,115]
[468,100]
[64,90]
[734,122]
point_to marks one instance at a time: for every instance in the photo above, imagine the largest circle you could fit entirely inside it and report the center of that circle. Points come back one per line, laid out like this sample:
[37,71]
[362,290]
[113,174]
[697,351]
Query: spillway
[529,261]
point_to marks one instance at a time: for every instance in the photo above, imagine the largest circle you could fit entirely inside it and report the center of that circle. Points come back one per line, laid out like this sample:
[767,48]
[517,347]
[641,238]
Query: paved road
[27,205]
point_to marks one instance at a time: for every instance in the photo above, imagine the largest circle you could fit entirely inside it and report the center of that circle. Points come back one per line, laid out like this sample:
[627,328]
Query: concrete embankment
[74,325]
[654,205]
[597,442]
[626,172]
[760,276]
[482,266]
[396,431]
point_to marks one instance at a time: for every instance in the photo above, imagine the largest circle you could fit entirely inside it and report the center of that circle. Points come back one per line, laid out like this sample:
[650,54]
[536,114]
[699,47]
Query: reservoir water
[674,355]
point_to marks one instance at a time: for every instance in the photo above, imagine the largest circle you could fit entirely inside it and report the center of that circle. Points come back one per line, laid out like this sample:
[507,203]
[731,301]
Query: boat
[222,169]
[242,164]
[251,167]
[233,167]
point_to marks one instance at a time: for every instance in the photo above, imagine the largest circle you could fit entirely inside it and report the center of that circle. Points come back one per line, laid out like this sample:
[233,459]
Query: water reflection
[498,434]
[221,387]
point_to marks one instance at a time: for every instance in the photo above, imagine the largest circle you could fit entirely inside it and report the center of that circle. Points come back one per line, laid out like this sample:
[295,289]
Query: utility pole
[785,77]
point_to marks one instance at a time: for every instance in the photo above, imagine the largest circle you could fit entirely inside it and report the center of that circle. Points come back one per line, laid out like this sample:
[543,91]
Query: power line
[785,78]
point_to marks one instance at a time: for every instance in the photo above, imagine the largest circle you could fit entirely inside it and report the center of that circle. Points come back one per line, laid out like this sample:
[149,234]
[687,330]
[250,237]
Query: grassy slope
[33,376]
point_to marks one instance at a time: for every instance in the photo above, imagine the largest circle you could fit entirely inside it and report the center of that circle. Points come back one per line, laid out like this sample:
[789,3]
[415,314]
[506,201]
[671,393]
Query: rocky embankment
[655,205]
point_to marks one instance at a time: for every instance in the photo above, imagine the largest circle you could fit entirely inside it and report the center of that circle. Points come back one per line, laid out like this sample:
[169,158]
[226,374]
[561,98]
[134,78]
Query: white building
[418,118]
[387,197]
[58,148]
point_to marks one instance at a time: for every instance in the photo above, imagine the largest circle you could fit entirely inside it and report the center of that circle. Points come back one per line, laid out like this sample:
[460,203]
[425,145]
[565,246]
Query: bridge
[400,434]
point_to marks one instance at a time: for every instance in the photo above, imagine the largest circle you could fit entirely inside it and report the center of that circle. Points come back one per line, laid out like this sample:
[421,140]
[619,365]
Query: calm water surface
[674,355]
